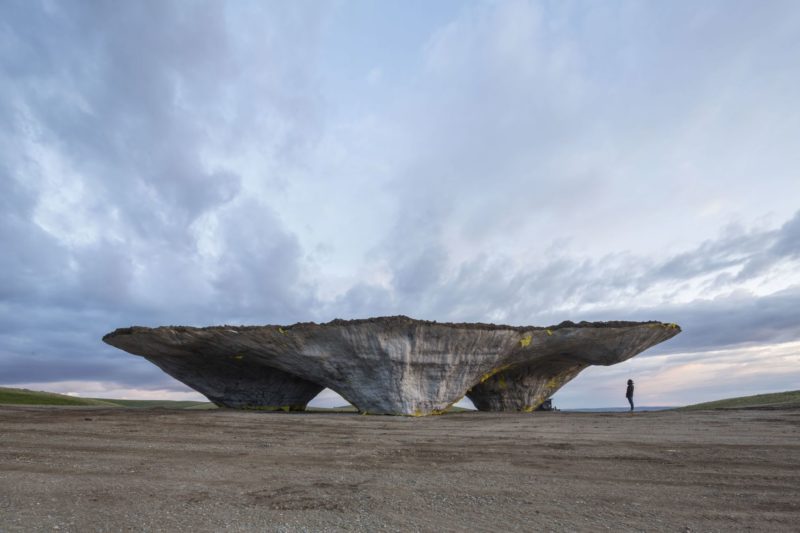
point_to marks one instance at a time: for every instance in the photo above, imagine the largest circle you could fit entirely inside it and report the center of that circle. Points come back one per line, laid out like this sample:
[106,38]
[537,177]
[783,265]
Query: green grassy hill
[29,397]
[11,396]
[778,400]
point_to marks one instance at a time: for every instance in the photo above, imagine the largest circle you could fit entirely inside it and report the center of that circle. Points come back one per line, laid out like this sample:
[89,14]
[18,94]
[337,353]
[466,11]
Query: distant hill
[29,397]
[11,396]
[778,400]
[640,409]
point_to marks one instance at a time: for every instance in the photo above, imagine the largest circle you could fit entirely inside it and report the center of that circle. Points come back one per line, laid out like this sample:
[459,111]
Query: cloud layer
[201,163]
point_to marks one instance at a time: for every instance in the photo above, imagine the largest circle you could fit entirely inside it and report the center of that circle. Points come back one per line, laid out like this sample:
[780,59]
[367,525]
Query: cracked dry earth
[90,469]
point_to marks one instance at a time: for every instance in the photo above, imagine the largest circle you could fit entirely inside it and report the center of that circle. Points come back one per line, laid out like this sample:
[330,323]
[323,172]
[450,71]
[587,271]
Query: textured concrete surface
[392,365]
[224,376]
[525,387]
[230,380]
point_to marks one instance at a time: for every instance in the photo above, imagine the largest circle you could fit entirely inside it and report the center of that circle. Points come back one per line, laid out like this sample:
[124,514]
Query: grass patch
[11,396]
[202,406]
[340,409]
[165,404]
[777,400]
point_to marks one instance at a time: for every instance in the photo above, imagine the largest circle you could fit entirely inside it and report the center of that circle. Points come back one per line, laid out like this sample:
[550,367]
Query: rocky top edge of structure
[401,320]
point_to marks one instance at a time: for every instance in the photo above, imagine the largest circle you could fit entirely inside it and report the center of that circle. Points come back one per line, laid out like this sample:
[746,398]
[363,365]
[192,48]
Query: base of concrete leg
[523,388]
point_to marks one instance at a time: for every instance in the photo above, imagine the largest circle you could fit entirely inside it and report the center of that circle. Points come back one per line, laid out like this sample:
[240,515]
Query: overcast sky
[201,163]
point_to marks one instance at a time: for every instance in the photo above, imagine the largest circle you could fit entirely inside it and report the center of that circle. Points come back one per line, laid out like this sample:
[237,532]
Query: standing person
[629,393]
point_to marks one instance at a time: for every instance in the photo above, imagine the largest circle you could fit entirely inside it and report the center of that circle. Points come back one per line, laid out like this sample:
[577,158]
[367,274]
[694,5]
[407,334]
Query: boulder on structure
[389,365]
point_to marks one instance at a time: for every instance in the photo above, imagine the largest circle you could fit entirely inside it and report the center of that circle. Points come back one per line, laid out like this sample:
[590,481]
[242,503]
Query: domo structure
[387,365]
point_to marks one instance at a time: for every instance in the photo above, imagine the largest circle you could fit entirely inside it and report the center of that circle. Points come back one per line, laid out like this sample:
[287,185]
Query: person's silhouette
[629,393]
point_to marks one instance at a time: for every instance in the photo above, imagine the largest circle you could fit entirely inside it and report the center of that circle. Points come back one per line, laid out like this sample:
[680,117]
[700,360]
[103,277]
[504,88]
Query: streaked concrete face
[387,365]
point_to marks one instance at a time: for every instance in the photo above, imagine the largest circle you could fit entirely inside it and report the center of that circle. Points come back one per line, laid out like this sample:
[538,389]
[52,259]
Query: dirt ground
[97,469]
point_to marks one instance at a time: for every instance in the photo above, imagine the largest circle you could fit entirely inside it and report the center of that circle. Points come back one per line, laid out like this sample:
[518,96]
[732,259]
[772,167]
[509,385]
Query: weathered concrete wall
[394,365]
[225,377]
[233,381]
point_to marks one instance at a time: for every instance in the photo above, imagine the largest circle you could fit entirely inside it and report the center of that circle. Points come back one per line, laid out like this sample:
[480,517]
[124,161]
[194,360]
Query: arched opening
[465,403]
[328,400]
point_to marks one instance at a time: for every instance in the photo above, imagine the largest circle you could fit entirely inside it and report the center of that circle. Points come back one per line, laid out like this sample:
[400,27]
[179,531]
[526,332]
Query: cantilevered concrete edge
[387,365]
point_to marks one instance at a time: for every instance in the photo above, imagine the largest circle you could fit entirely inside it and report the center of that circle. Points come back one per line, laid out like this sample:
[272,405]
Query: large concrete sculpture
[387,365]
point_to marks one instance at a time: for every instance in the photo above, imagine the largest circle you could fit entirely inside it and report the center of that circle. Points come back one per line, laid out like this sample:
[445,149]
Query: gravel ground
[98,469]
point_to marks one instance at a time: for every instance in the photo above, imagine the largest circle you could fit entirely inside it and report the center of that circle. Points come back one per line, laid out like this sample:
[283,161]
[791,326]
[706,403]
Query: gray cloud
[172,162]
[738,318]
[571,287]
[117,121]
[751,253]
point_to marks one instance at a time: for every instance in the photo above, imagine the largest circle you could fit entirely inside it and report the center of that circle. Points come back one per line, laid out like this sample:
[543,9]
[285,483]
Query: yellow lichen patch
[501,382]
[528,408]
[669,325]
[549,333]
[525,341]
[281,330]
[552,383]
[493,372]
[238,357]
